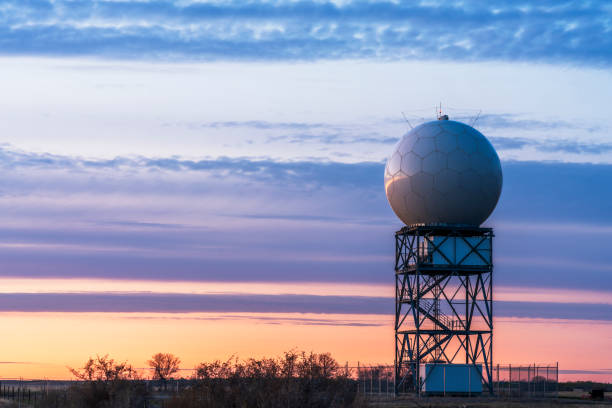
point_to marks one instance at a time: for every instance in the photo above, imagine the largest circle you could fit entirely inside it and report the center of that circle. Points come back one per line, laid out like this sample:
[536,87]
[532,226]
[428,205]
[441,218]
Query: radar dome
[443,172]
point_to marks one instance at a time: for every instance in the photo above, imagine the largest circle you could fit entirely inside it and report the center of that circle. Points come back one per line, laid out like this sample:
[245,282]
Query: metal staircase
[431,307]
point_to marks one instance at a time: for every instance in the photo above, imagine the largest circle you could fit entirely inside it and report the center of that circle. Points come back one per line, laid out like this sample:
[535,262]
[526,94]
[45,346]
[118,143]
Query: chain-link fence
[526,380]
[374,380]
[509,381]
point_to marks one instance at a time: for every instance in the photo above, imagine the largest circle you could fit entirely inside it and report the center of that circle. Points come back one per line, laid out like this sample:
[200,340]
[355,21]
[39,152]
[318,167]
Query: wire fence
[30,391]
[509,381]
[526,380]
[374,380]
[58,393]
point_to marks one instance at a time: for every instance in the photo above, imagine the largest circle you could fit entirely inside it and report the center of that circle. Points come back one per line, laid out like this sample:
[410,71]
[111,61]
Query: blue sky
[245,142]
[547,31]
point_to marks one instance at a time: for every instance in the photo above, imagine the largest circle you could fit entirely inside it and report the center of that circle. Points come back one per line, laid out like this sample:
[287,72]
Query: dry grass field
[433,402]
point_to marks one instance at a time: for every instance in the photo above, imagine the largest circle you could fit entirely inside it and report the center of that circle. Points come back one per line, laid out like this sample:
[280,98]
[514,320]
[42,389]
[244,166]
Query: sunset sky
[206,177]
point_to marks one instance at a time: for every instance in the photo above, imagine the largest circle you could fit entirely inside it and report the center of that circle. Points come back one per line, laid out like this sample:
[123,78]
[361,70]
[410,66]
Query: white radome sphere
[443,172]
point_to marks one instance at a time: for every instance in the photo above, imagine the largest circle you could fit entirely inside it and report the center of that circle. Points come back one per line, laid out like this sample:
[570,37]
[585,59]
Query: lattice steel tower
[443,300]
[443,180]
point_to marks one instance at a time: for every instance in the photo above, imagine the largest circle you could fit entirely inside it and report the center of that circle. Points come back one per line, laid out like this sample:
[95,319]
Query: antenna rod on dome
[440,115]
[476,118]
[407,121]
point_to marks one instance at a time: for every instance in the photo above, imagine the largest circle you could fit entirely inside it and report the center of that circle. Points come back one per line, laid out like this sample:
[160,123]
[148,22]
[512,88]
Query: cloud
[243,303]
[258,169]
[547,310]
[186,303]
[269,319]
[299,132]
[573,146]
[254,124]
[602,371]
[307,30]
[237,219]
[514,121]
[509,143]
[559,192]
[570,137]
[334,138]
[551,146]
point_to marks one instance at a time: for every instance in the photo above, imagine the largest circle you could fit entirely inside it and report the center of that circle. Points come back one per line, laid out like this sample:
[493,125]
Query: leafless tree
[327,365]
[164,365]
[104,369]
[103,382]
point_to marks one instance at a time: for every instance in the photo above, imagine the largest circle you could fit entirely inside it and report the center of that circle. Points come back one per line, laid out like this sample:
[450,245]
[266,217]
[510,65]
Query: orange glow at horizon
[42,345]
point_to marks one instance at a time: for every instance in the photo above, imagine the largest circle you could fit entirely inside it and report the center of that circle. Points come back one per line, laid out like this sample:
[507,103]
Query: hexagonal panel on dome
[446,142]
[470,181]
[422,184]
[458,160]
[467,143]
[411,164]
[484,165]
[424,145]
[436,206]
[447,181]
[393,166]
[405,145]
[434,162]
[485,148]
[452,126]
[489,183]
[387,174]
[416,205]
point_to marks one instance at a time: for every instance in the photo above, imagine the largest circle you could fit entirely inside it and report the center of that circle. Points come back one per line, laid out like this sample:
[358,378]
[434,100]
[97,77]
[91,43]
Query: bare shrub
[104,383]
[164,365]
[293,380]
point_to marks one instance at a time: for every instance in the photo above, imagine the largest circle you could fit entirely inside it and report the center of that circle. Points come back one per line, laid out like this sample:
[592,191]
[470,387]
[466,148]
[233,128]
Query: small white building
[456,379]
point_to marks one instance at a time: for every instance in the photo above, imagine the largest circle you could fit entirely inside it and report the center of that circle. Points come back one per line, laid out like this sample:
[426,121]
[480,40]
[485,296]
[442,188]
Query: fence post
[557,382]
[387,384]
[529,388]
[536,374]
[510,381]
[444,376]
[358,377]
[498,379]
[519,381]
